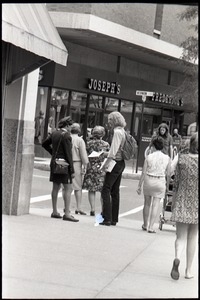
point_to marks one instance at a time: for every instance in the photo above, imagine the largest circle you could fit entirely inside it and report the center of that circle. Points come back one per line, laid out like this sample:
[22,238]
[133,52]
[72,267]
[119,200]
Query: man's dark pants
[111,192]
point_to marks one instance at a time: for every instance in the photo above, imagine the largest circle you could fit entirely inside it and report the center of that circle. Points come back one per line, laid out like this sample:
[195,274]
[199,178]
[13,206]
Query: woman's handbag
[59,165]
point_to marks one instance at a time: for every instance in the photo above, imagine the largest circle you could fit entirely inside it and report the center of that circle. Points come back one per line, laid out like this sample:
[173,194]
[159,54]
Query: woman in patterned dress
[94,177]
[185,207]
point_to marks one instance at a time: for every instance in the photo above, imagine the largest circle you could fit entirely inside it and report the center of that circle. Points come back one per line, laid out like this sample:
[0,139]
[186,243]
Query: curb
[125,175]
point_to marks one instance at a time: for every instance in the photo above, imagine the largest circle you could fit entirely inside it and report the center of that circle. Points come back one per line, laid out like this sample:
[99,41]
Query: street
[131,204]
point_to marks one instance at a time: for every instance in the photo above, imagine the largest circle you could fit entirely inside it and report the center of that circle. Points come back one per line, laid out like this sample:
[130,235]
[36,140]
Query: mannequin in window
[39,128]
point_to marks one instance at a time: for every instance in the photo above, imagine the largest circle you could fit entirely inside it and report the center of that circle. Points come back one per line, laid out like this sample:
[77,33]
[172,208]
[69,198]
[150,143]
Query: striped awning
[29,26]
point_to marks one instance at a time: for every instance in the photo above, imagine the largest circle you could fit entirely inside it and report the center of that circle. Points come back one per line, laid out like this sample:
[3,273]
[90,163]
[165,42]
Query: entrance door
[168,121]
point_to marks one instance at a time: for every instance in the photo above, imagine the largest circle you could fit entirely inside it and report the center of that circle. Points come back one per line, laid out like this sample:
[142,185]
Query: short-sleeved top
[157,163]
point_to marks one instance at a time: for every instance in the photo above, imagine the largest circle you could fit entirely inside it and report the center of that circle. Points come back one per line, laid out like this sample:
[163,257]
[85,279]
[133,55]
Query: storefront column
[18,144]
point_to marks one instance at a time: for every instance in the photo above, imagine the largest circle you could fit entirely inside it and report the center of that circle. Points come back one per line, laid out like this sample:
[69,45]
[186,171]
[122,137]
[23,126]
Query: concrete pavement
[45,258]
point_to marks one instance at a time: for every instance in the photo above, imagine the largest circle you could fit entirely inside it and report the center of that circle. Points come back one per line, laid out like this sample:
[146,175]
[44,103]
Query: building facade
[122,56]
[29,40]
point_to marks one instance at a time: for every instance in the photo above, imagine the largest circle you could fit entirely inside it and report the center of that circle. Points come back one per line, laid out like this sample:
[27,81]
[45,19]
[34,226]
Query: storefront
[89,95]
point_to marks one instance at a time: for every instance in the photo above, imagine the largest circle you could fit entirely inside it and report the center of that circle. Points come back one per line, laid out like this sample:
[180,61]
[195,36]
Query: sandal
[144,228]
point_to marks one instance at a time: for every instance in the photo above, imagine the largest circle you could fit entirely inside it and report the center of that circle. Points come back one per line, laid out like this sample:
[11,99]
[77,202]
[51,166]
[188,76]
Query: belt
[155,176]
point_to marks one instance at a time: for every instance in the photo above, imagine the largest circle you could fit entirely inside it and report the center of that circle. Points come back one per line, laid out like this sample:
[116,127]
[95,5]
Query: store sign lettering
[104,86]
[163,98]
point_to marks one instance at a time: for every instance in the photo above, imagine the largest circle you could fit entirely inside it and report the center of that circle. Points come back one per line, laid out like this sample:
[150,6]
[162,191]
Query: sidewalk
[46,258]
[129,173]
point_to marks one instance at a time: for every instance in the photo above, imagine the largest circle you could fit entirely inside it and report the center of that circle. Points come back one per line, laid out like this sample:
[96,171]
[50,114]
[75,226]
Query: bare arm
[142,177]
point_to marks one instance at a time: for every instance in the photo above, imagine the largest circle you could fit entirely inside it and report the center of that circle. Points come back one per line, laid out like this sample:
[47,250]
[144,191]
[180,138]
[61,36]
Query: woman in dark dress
[64,151]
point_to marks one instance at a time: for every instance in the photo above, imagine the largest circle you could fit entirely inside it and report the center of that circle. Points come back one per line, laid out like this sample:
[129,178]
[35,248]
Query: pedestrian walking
[80,161]
[111,188]
[163,131]
[61,138]
[154,178]
[175,134]
[185,207]
[94,177]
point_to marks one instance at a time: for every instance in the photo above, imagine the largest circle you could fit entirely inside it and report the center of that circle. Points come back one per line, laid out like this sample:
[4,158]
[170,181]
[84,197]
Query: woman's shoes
[188,275]
[80,212]
[92,213]
[151,231]
[70,218]
[174,271]
[56,216]
[144,228]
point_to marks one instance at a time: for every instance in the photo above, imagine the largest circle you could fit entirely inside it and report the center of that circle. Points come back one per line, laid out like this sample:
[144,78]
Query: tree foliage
[188,90]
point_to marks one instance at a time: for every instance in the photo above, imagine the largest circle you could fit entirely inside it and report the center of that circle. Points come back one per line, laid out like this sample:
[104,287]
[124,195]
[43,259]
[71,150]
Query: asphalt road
[131,204]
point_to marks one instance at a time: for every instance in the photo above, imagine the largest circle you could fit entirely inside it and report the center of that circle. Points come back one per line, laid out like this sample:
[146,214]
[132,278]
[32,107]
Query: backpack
[129,149]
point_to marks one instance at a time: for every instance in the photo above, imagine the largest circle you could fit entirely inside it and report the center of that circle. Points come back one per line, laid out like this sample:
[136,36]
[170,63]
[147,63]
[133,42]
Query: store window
[58,105]
[150,120]
[126,111]
[111,104]
[40,115]
[78,107]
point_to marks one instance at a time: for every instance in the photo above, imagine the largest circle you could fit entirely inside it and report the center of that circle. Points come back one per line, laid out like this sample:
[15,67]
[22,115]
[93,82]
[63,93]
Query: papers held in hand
[95,154]
[110,165]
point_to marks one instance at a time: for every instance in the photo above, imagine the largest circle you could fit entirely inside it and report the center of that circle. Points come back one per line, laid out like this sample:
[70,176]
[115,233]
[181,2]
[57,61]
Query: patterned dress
[94,177]
[185,209]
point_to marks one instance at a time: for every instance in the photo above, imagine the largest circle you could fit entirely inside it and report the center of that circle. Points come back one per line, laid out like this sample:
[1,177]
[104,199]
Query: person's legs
[78,197]
[190,248]
[105,194]
[101,200]
[91,198]
[54,197]
[109,181]
[181,235]
[115,196]
[154,212]
[146,209]
[66,192]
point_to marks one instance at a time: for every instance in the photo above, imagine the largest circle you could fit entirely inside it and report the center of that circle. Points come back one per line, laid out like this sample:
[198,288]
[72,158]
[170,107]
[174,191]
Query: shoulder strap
[62,134]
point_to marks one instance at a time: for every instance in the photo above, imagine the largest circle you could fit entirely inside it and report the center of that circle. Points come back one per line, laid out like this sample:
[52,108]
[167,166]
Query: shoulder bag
[59,165]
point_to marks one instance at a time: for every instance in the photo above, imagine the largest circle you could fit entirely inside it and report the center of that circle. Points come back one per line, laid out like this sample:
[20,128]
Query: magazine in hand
[95,154]
[110,166]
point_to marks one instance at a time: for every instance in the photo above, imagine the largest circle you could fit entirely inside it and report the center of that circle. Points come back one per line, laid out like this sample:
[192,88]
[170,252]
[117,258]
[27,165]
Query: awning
[29,26]
[104,35]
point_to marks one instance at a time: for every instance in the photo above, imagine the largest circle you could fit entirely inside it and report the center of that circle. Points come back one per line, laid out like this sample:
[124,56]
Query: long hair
[164,125]
[117,119]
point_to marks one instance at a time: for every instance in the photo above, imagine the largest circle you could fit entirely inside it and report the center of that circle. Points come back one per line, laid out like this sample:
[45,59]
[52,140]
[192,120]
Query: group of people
[85,169]
[88,169]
